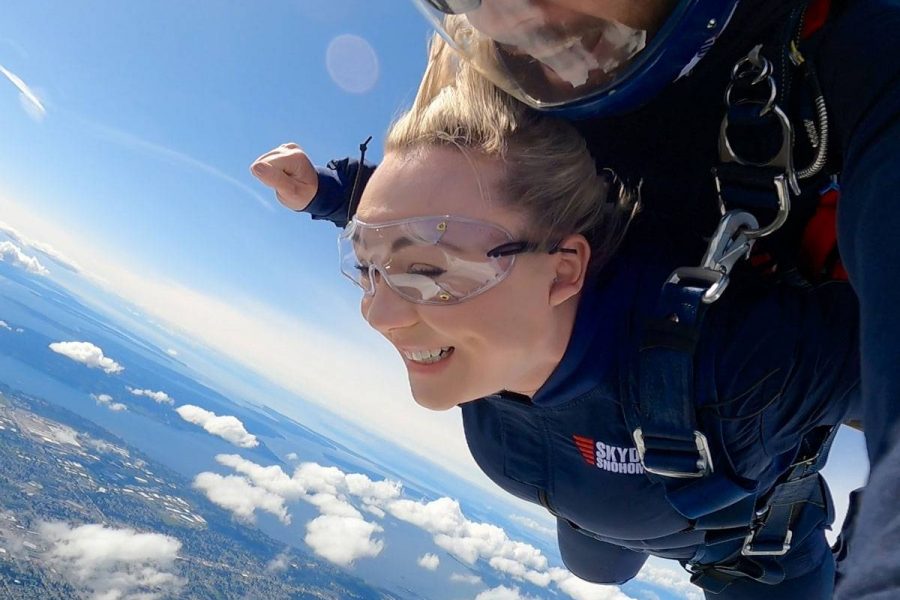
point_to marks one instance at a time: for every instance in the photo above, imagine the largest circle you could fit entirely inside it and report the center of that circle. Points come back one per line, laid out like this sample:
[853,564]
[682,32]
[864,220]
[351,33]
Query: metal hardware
[759,70]
[747,549]
[704,457]
[729,244]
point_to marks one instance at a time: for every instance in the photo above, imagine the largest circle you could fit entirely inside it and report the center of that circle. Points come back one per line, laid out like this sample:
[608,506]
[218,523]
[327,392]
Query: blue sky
[126,132]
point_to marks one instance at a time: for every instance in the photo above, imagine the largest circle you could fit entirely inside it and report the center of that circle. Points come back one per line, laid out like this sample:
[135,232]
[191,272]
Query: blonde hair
[549,173]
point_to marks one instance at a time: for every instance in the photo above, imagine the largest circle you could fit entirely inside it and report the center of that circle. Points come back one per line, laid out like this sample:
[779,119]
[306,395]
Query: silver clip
[729,244]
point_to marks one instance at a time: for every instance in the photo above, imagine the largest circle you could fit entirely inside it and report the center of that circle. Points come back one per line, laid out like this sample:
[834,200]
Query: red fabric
[816,15]
[820,241]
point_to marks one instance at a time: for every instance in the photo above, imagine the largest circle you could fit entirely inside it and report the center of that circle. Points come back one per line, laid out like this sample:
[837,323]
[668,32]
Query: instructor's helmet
[581,58]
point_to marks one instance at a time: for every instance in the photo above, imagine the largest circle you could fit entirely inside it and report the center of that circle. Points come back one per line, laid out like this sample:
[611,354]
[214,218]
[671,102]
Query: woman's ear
[571,260]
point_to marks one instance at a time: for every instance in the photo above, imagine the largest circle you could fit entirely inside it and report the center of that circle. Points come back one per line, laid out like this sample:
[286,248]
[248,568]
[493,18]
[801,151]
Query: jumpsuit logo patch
[615,459]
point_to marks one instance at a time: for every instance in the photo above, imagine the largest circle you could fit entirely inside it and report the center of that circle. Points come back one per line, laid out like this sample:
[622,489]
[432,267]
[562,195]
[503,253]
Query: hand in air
[288,170]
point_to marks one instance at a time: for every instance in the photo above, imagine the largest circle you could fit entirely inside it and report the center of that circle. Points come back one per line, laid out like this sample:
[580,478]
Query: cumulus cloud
[343,539]
[579,589]
[44,248]
[109,563]
[342,534]
[87,354]
[533,525]
[503,593]
[226,427]
[670,579]
[242,498]
[107,401]
[429,561]
[158,397]
[279,563]
[292,456]
[12,254]
[5,325]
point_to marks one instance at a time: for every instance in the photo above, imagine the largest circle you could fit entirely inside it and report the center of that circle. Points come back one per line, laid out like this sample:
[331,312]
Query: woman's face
[502,339]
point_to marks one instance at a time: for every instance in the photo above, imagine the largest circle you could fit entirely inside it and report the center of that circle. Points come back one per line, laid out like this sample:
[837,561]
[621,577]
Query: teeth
[427,356]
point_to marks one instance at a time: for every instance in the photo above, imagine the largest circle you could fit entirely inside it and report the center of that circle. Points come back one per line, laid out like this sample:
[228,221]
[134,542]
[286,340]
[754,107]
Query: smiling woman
[493,256]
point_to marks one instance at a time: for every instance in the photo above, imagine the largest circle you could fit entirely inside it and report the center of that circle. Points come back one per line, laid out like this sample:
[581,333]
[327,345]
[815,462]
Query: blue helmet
[581,58]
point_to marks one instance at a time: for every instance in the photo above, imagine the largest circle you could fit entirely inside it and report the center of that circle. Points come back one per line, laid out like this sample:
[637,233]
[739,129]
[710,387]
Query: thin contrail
[26,91]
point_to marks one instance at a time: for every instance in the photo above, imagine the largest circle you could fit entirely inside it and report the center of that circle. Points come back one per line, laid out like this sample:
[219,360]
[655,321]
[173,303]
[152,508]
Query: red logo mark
[587,448]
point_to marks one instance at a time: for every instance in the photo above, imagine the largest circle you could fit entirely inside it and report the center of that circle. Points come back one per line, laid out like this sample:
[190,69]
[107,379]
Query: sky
[126,132]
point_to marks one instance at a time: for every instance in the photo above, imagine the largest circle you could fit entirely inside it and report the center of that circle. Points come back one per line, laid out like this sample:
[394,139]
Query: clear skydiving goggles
[431,260]
[580,58]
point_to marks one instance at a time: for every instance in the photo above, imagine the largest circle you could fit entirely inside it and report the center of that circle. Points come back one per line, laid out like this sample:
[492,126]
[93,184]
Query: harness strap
[673,450]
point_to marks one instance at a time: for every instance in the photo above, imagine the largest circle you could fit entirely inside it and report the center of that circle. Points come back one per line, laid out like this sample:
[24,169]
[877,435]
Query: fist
[288,170]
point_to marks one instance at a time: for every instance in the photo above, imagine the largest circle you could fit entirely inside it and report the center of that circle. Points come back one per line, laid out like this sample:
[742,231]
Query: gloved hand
[288,170]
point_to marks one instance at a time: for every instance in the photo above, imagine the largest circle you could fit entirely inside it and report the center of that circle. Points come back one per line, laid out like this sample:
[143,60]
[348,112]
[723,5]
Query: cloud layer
[45,249]
[12,254]
[343,533]
[87,354]
[226,427]
[109,563]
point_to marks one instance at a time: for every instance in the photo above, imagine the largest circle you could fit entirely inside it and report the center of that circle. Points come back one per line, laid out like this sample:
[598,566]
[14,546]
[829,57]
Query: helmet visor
[426,260]
[548,52]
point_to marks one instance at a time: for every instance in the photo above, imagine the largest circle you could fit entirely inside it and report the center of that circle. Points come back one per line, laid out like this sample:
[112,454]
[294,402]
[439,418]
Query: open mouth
[428,357]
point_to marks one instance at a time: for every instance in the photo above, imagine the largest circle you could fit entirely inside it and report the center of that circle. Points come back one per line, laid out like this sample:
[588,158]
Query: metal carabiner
[729,244]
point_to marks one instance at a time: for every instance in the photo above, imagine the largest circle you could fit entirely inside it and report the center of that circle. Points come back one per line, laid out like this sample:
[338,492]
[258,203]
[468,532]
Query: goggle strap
[356,193]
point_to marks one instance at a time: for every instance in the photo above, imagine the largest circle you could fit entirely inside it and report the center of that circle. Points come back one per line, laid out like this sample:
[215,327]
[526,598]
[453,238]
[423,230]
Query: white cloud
[45,249]
[107,401]
[279,563]
[429,561]
[12,254]
[503,593]
[158,397]
[271,479]
[30,101]
[5,325]
[461,578]
[292,456]
[241,497]
[108,563]
[172,352]
[343,539]
[226,427]
[533,525]
[88,354]
[677,581]
[579,589]
[341,534]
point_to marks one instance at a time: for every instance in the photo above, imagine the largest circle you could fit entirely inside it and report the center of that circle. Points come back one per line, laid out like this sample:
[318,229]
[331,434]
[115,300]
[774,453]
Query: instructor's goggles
[543,52]
[581,58]
[430,260]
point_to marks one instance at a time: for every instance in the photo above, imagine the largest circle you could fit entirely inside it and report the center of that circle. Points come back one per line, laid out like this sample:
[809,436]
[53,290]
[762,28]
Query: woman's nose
[385,310]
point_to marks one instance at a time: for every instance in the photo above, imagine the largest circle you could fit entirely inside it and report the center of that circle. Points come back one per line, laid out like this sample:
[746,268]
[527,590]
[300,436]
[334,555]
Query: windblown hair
[549,173]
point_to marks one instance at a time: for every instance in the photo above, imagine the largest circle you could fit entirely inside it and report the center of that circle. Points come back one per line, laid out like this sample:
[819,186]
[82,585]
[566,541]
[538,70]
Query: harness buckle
[703,463]
[748,550]
[729,244]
